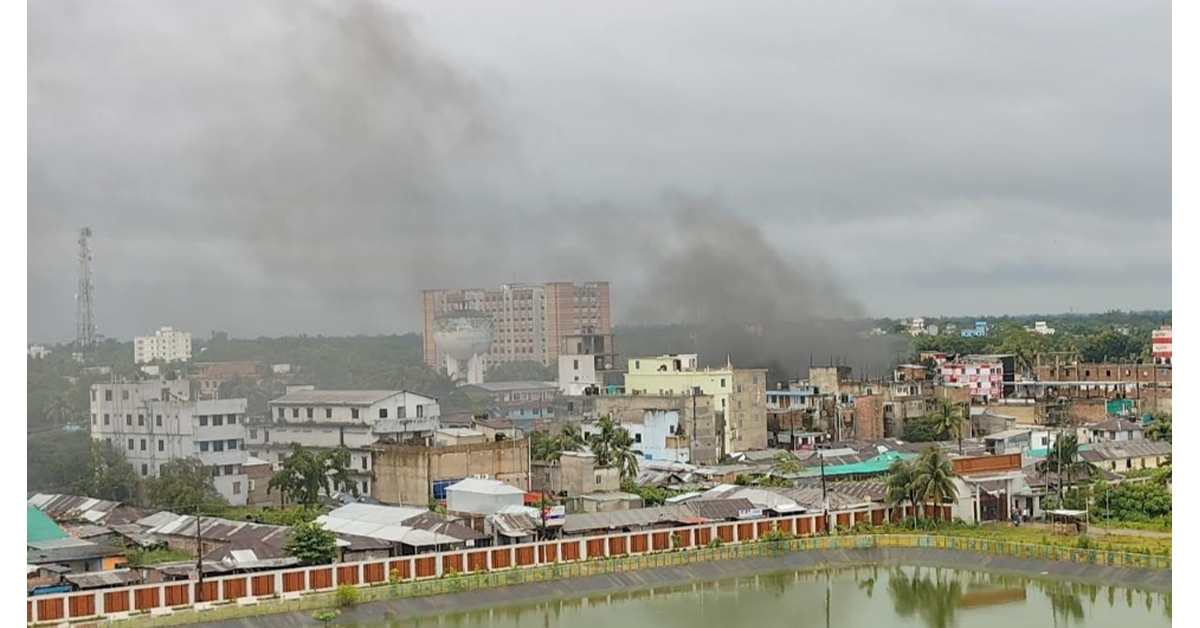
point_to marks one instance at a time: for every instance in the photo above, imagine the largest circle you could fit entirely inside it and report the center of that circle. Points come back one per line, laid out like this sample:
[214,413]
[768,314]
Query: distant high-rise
[530,322]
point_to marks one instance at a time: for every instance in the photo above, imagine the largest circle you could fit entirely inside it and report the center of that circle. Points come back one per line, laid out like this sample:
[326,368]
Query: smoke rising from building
[286,167]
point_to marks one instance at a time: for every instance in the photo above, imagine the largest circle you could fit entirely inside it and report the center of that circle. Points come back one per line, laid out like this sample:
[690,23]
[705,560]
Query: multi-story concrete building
[411,474]
[38,352]
[166,344]
[354,419]
[530,322]
[739,395]
[1160,345]
[153,422]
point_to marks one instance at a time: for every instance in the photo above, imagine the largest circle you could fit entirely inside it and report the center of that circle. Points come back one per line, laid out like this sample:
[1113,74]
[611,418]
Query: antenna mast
[85,316]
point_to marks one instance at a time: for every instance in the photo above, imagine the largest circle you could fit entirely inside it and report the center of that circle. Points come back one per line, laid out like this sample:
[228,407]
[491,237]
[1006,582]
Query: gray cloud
[280,167]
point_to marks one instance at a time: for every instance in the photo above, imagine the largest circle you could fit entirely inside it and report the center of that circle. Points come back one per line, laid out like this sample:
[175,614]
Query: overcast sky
[288,166]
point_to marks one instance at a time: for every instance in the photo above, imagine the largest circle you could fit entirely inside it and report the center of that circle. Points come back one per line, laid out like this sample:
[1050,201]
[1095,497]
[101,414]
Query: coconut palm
[60,410]
[570,438]
[1064,460]
[900,485]
[933,478]
[950,421]
[623,455]
[601,444]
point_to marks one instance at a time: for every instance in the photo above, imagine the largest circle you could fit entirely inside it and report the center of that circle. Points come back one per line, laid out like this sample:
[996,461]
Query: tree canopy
[312,543]
[183,485]
[305,474]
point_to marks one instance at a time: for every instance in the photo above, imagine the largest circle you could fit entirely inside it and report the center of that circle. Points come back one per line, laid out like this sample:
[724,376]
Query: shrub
[676,541]
[714,543]
[394,577]
[326,616]
[347,595]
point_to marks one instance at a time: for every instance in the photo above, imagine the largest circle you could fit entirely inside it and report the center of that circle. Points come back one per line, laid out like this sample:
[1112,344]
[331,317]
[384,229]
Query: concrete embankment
[572,587]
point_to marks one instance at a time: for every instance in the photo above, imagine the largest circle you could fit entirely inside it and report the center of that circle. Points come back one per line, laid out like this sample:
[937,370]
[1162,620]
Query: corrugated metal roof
[625,518]
[98,579]
[1121,450]
[485,487]
[39,527]
[715,509]
[73,507]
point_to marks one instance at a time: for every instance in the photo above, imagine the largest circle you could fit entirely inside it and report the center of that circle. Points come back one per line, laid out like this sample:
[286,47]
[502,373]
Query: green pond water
[848,598]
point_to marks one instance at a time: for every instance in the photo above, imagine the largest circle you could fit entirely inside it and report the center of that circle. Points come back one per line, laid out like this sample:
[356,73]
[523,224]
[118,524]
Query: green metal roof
[876,465]
[39,527]
[1041,453]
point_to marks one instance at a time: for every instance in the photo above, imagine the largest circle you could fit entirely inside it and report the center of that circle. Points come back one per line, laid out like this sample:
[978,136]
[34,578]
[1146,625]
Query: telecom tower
[85,317]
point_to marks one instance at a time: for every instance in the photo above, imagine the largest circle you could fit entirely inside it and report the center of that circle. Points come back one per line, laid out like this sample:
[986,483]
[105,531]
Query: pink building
[1160,346]
[984,379]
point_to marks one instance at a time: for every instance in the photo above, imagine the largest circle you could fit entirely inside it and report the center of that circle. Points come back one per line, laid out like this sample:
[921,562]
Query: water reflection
[843,597]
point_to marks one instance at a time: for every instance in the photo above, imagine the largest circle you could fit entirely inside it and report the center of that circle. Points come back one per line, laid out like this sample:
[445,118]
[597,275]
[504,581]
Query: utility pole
[824,490]
[199,560]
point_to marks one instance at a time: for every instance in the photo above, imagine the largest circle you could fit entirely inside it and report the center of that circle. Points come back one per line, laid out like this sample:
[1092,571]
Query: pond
[844,597]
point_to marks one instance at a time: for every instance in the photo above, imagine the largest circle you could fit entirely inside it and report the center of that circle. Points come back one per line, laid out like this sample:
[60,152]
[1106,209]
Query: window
[1107,373]
[108,441]
[228,469]
[217,420]
[354,413]
[329,413]
[131,444]
[232,444]
[401,412]
[108,395]
[570,406]
[266,436]
[597,479]
[576,364]
[218,445]
[203,446]
[739,404]
[203,421]
[383,413]
[145,470]
[308,413]
[143,444]
[237,488]
[231,419]
[281,413]
[420,411]
[1087,373]
[754,380]
[364,463]
[158,420]
[93,418]
[128,419]
[124,395]
[637,438]
[160,444]
[637,364]
[1129,464]
[366,487]
[722,403]
[722,382]
[295,413]
[253,434]
[106,419]
[141,420]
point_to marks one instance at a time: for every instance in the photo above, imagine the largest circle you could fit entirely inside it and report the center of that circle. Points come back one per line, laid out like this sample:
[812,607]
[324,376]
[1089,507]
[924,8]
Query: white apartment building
[153,422]
[355,419]
[576,373]
[655,435]
[166,344]
[38,352]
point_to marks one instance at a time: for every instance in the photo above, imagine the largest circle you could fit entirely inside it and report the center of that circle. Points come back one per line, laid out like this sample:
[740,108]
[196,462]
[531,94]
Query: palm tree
[950,421]
[933,478]
[624,456]
[900,485]
[1063,458]
[60,410]
[601,444]
[570,438]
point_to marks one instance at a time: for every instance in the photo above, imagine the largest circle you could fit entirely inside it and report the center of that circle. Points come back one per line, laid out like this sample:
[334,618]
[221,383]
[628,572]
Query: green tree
[312,544]
[305,473]
[901,485]
[60,410]
[786,464]
[1160,427]
[543,447]
[933,478]
[601,443]
[58,462]
[921,429]
[624,455]
[1064,461]
[570,438]
[183,485]
[950,421]
[111,476]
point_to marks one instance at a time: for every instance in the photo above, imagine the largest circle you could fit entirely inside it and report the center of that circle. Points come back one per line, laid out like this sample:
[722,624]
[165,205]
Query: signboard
[554,515]
[756,513]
